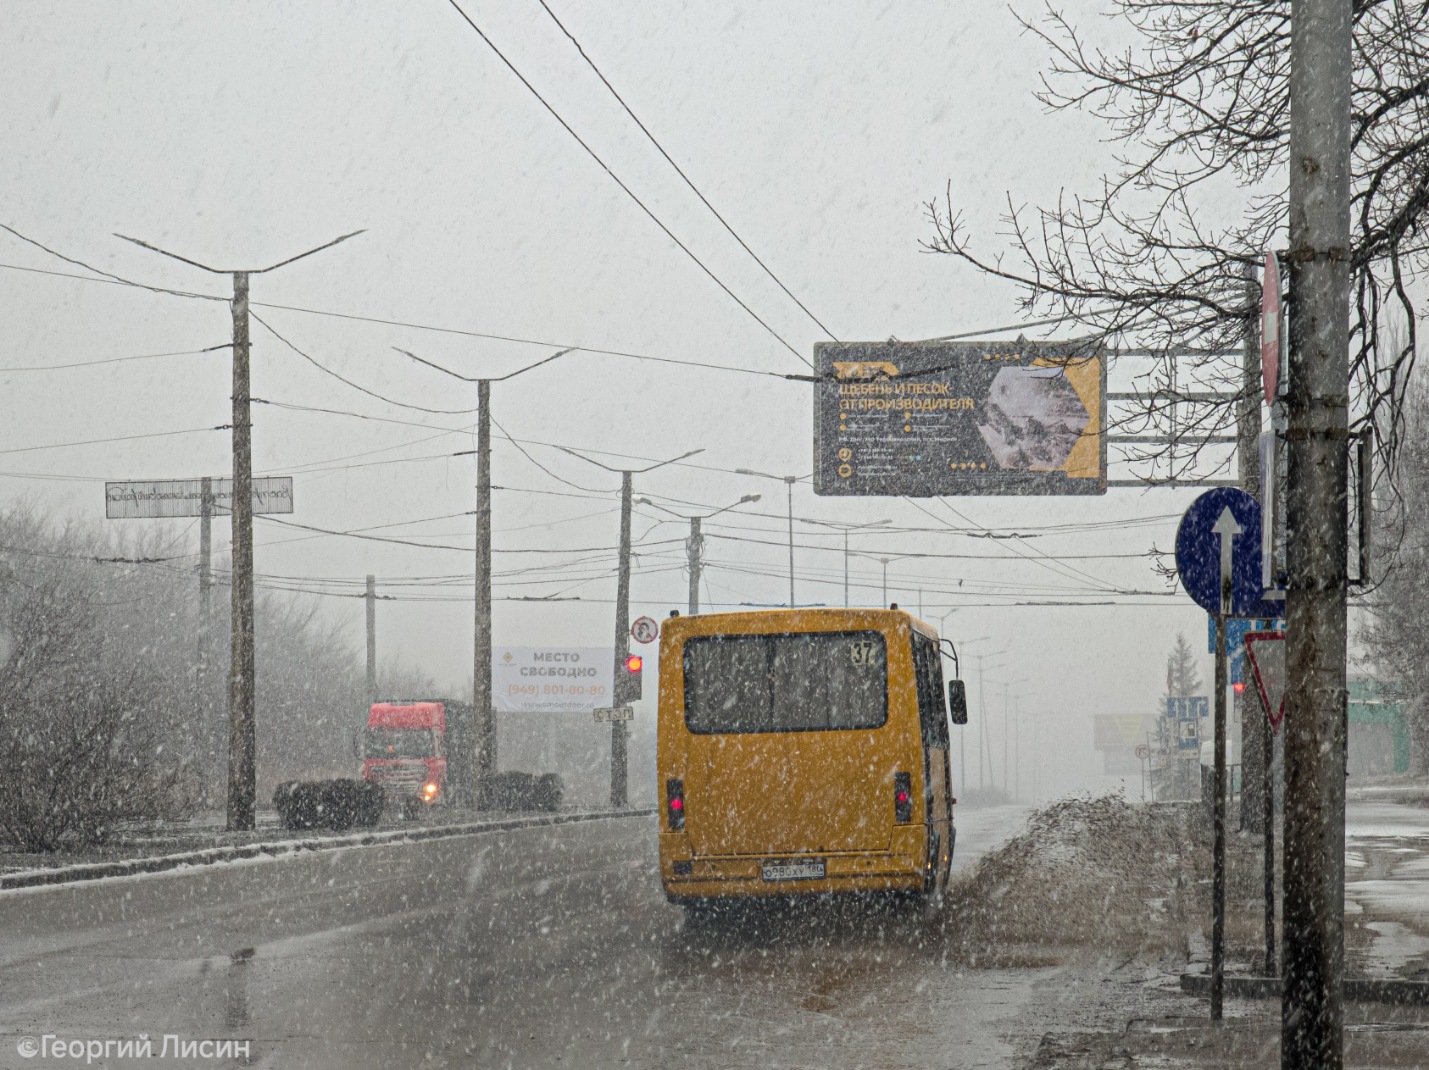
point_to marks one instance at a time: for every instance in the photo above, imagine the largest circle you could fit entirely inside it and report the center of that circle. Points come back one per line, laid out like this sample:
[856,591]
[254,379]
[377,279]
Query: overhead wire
[619,182]
[348,382]
[116,438]
[680,171]
[115,360]
[522,450]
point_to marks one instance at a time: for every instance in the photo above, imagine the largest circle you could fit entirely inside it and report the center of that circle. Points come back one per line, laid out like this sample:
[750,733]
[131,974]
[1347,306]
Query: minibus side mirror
[957,702]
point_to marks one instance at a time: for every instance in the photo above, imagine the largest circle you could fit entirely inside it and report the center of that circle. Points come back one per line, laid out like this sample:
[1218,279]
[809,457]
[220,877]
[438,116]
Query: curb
[88,871]
[1357,989]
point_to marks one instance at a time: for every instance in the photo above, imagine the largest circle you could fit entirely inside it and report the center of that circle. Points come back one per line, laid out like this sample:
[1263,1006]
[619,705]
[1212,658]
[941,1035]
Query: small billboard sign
[154,498]
[547,679]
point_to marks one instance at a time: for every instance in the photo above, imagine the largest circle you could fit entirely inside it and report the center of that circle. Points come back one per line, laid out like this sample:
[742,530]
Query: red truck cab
[404,750]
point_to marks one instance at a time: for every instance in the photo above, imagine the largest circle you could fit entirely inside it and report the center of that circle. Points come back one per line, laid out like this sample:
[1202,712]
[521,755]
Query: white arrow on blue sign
[1220,534]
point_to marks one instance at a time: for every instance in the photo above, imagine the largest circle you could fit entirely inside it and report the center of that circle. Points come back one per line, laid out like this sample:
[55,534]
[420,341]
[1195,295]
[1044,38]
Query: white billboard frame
[152,499]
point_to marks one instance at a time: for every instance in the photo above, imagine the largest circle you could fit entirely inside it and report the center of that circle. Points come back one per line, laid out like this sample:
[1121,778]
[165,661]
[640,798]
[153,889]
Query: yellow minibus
[803,751]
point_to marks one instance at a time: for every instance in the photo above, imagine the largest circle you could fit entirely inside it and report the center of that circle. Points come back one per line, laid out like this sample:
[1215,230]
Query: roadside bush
[329,804]
[512,790]
[83,749]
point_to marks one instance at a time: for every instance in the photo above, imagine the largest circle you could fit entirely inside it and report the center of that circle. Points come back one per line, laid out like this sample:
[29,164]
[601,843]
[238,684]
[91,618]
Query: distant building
[1379,730]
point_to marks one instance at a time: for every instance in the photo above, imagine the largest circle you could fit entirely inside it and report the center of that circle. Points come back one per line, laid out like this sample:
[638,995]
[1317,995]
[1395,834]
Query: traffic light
[631,691]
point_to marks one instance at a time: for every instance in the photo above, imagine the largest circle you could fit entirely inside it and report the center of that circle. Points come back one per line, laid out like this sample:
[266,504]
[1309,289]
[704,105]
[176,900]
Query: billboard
[550,679]
[184,497]
[941,418]
[1121,731]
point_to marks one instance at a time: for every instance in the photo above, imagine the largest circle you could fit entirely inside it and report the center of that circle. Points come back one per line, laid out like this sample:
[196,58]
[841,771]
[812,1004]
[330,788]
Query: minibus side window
[928,673]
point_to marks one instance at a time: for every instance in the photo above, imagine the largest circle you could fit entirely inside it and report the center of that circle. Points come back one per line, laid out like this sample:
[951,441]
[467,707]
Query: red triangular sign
[1266,653]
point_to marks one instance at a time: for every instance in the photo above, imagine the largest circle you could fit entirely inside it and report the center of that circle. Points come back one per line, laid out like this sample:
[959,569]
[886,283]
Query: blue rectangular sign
[1235,641]
[1185,712]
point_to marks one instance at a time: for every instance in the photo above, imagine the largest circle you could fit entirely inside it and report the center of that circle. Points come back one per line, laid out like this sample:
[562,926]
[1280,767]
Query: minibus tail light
[902,798]
[675,803]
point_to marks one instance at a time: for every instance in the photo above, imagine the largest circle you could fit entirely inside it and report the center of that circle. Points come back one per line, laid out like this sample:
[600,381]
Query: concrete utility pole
[241,731]
[483,742]
[203,708]
[1312,1030]
[371,599]
[622,696]
[695,545]
[619,794]
[695,550]
[473,759]
[242,743]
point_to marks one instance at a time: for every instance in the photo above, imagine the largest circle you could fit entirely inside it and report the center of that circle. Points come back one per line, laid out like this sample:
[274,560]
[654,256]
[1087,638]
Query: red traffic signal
[629,687]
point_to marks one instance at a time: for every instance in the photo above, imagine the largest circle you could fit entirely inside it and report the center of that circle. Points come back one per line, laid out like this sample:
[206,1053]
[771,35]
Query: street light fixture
[789,482]
[846,528]
[622,692]
[242,738]
[474,760]
[695,544]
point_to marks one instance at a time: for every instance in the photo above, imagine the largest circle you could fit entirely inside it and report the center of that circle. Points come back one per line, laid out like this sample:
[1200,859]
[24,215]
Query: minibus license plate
[794,871]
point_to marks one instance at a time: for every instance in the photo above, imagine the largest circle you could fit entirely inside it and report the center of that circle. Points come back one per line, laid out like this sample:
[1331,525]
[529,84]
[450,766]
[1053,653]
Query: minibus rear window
[800,682]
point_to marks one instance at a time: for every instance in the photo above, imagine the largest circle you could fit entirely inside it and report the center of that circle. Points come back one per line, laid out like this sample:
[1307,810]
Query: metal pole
[845,568]
[1004,737]
[483,744]
[241,737]
[1016,781]
[1036,764]
[982,723]
[695,549]
[1312,1017]
[1268,735]
[885,579]
[963,759]
[618,795]
[1218,809]
[789,482]
[371,598]
[1248,426]
[207,731]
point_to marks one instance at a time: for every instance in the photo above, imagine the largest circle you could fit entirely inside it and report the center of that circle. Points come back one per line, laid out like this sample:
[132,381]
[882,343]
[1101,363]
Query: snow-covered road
[534,947]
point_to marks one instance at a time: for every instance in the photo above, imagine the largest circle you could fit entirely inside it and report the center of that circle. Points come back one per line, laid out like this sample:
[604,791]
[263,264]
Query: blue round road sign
[1224,521]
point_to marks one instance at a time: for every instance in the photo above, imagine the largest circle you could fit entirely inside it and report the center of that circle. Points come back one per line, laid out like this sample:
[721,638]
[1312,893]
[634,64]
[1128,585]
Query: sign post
[1218,557]
[1226,529]
[155,499]
[1266,653]
[1270,328]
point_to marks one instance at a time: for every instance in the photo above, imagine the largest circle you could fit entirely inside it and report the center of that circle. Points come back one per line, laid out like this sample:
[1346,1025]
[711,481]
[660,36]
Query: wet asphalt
[532,947]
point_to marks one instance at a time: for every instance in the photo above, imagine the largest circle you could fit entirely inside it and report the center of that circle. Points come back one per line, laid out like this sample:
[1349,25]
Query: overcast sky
[241,134]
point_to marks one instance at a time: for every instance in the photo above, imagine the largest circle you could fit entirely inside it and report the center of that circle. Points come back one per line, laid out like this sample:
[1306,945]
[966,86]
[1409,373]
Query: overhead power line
[116,360]
[348,382]
[679,171]
[628,191]
[117,438]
